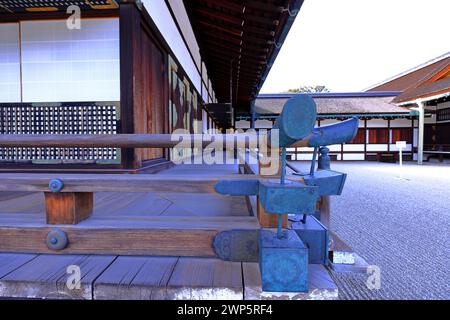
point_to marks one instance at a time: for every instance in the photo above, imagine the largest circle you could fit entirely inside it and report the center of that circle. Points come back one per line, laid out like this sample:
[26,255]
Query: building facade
[150,66]
[426,88]
[382,123]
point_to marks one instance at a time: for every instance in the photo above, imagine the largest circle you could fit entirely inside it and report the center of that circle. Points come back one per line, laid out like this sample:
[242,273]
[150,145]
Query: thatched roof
[358,103]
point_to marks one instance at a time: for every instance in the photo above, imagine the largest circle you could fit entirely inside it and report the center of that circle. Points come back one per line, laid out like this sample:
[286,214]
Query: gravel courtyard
[400,225]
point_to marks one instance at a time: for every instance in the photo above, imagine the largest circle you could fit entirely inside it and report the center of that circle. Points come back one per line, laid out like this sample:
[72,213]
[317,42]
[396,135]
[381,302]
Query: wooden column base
[325,211]
[269,220]
[68,207]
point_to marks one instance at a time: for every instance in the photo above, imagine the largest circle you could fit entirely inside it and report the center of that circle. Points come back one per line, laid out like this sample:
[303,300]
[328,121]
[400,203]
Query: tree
[309,89]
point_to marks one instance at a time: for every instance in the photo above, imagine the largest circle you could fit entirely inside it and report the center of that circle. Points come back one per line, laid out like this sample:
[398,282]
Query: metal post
[421,131]
[313,162]
[282,181]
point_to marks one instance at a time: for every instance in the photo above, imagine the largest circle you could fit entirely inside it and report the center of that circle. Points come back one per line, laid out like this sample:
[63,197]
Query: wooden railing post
[68,207]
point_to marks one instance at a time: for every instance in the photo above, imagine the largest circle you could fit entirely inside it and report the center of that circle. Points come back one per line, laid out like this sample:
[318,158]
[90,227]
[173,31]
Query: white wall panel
[353,147]
[353,156]
[59,64]
[401,123]
[242,124]
[335,148]
[304,156]
[328,122]
[188,33]
[376,147]
[160,14]
[9,63]
[378,123]
[266,124]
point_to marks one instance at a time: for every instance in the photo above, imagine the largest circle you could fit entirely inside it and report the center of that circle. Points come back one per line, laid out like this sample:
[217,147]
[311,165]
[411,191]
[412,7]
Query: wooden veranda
[136,245]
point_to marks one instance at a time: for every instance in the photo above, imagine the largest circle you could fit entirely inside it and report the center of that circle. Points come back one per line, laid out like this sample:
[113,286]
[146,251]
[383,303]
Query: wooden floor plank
[204,279]
[135,278]
[12,195]
[46,277]
[140,204]
[321,286]
[11,261]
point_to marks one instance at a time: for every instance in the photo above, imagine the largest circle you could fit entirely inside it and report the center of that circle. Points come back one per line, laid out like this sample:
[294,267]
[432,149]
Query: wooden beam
[121,183]
[161,236]
[68,207]
[229,30]
[238,8]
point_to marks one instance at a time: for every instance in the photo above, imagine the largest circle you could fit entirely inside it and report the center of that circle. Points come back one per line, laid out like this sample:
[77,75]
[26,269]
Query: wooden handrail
[127,140]
[39,182]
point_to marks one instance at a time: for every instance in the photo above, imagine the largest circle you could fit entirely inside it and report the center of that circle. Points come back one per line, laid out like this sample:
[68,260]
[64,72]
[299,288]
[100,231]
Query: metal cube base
[315,236]
[283,262]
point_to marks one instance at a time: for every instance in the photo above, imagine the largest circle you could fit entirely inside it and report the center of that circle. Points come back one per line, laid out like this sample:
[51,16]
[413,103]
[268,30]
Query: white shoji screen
[9,62]
[61,65]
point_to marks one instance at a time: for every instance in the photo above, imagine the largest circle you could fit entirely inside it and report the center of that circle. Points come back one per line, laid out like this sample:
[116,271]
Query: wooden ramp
[143,278]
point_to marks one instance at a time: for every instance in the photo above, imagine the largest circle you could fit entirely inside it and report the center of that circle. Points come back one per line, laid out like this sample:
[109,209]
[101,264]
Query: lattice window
[29,5]
[67,118]
[443,114]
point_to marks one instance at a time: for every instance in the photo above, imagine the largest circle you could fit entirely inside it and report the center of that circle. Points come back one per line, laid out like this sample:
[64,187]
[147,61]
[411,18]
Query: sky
[349,45]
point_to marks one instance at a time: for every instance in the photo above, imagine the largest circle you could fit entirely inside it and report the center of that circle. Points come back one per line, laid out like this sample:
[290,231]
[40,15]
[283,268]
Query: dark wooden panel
[129,59]
[46,277]
[378,136]
[135,278]
[151,104]
[203,279]
[402,134]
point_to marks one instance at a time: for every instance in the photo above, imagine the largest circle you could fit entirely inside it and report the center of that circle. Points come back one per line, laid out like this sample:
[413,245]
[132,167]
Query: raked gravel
[400,224]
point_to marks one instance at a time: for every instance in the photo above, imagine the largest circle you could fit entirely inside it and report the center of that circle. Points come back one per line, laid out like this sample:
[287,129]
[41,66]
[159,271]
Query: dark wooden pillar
[130,49]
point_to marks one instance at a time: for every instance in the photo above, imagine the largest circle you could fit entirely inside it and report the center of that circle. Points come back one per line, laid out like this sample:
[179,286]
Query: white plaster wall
[304,156]
[353,156]
[353,147]
[160,14]
[377,147]
[401,123]
[377,123]
[265,124]
[242,124]
[188,33]
[335,148]
[406,149]
[328,122]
